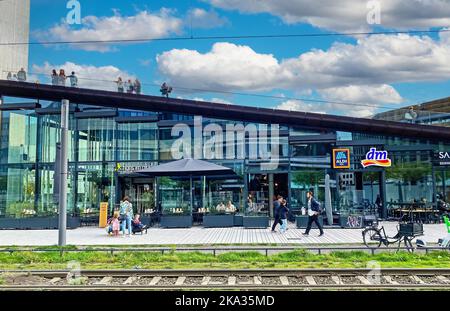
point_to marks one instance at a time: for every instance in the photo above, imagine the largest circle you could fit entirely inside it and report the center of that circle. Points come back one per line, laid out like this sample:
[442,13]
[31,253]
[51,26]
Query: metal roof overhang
[221,111]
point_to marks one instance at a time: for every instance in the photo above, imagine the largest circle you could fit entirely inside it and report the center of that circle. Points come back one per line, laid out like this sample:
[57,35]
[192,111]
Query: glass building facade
[107,146]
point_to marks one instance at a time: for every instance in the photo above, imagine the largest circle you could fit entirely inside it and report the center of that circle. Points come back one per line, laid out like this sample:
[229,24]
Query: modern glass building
[272,152]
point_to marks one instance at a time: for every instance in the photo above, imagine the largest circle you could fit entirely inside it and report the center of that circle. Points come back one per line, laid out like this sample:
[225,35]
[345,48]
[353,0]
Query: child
[116,224]
[138,226]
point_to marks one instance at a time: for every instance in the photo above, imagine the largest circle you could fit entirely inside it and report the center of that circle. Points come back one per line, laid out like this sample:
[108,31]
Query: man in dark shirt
[276,212]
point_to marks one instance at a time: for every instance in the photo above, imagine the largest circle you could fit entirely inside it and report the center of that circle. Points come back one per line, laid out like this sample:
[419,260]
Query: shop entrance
[262,189]
[141,193]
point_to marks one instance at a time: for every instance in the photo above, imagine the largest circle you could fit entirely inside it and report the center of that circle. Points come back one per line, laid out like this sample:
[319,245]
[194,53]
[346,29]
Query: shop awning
[187,167]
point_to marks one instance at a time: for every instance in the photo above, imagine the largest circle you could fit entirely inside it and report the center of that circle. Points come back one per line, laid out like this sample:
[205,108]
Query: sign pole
[64,174]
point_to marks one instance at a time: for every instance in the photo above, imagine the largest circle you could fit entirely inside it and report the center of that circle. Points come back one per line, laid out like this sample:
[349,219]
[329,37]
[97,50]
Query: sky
[355,75]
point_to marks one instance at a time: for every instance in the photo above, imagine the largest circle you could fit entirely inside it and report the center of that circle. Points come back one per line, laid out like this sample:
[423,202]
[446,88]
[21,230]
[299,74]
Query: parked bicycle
[406,232]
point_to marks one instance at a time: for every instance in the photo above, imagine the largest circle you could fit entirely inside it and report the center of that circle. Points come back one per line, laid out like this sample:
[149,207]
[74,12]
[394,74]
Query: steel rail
[439,282]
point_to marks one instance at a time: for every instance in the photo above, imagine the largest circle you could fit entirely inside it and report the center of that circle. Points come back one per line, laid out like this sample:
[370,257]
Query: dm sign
[341,158]
[376,158]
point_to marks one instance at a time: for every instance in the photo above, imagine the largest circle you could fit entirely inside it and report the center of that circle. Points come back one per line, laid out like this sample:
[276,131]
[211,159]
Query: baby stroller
[138,228]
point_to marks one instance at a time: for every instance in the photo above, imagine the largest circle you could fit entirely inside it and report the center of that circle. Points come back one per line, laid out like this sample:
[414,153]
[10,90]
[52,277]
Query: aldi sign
[376,158]
[341,158]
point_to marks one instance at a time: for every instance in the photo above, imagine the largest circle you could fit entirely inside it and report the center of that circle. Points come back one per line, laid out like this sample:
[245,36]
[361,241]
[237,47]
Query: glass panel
[96,139]
[174,196]
[49,192]
[138,141]
[50,136]
[17,190]
[222,196]
[258,195]
[95,185]
[18,139]
[303,181]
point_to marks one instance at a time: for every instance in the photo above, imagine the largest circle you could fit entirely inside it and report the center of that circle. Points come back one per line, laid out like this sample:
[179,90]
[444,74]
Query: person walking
[283,216]
[313,213]
[73,80]
[54,77]
[276,212]
[62,77]
[119,83]
[22,75]
[137,86]
[126,215]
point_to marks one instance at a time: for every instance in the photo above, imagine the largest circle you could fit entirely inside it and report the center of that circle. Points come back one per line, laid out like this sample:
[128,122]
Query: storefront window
[95,185]
[304,180]
[17,192]
[408,181]
[175,196]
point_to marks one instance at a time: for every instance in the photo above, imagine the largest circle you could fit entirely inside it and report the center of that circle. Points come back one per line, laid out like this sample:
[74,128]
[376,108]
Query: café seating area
[420,212]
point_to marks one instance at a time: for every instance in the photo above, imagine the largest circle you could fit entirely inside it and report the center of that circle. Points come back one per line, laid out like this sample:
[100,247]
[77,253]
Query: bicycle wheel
[372,237]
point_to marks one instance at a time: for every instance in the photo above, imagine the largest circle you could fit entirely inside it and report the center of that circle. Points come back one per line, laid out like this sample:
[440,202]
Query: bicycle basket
[411,229]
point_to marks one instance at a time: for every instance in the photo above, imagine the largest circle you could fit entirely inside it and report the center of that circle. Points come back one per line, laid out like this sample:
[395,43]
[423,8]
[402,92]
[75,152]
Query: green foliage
[232,260]
[409,172]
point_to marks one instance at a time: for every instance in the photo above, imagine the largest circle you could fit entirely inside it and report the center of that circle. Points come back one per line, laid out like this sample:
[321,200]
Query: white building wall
[14,27]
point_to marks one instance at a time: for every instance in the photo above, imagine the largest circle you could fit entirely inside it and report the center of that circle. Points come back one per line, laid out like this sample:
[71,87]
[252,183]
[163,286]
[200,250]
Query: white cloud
[89,76]
[358,72]
[347,15]
[363,94]
[143,25]
[226,67]
[200,18]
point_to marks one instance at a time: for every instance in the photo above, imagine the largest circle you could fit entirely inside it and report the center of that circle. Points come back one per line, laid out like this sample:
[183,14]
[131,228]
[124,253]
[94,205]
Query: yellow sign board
[103,214]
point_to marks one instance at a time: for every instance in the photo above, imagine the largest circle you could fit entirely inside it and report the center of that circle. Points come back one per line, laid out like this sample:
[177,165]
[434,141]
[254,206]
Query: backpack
[320,208]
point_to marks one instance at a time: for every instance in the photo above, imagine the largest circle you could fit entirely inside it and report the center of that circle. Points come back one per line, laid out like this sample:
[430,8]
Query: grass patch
[23,260]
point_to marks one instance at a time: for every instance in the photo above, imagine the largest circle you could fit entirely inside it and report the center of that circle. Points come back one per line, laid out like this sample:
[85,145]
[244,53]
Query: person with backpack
[314,211]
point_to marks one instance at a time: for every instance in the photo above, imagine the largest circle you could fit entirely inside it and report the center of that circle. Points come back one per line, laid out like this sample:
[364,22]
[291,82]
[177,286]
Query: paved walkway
[202,236]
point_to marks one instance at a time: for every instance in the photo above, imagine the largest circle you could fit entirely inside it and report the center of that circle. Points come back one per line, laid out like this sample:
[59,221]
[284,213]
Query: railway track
[292,279]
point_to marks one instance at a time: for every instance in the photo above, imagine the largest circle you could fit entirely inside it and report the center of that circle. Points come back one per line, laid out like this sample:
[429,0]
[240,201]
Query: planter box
[37,223]
[351,221]
[176,221]
[302,222]
[256,221]
[238,220]
[221,221]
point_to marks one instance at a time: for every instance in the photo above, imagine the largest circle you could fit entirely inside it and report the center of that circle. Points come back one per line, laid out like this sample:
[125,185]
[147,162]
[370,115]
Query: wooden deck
[203,236]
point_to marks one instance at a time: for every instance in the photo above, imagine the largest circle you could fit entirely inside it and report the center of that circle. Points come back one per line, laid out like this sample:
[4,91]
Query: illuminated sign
[341,158]
[376,158]
[441,158]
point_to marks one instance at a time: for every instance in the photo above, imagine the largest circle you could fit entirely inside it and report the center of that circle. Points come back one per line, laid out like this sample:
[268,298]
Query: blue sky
[367,73]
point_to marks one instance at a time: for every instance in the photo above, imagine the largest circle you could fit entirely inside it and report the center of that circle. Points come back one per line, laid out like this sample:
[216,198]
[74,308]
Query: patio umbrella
[187,167]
